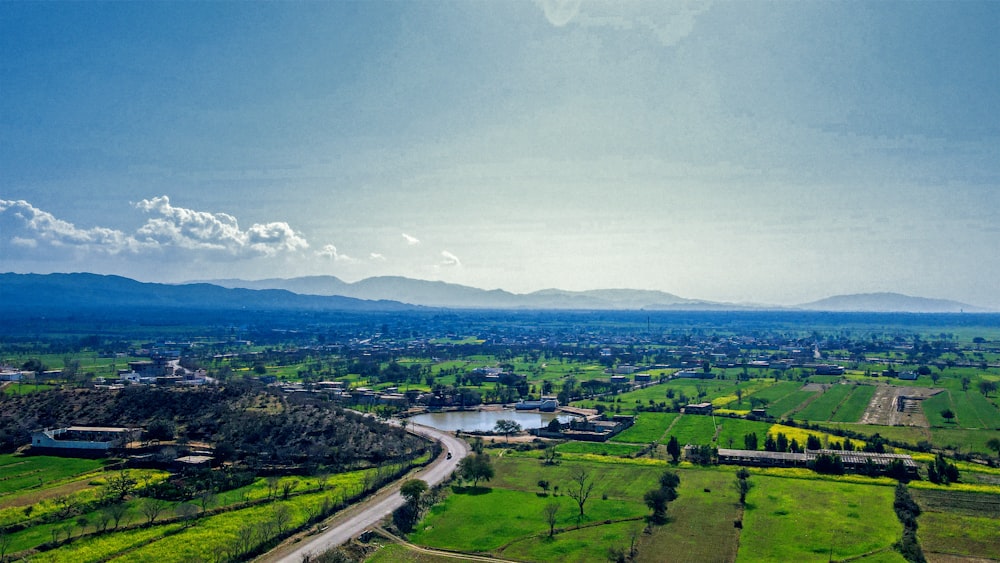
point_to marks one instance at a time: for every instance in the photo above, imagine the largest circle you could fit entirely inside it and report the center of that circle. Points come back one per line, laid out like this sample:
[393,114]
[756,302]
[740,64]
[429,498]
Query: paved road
[352,521]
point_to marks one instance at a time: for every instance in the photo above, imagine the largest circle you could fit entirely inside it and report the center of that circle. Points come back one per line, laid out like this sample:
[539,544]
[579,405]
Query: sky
[750,152]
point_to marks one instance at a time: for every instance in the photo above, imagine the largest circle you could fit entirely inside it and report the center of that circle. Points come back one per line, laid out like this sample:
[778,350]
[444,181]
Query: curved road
[355,519]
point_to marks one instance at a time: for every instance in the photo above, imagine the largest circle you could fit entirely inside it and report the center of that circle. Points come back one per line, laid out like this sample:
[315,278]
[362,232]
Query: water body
[484,421]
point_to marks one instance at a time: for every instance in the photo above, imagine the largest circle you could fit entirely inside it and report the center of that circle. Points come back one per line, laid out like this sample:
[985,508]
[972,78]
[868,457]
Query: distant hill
[449,295]
[81,291]
[889,303]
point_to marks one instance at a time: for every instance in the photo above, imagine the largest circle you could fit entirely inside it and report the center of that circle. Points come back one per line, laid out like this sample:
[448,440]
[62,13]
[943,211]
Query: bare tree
[272,486]
[186,511]
[151,508]
[5,540]
[550,511]
[580,488]
[205,499]
[117,512]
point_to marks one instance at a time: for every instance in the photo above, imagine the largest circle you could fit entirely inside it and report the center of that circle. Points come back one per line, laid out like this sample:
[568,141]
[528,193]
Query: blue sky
[736,151]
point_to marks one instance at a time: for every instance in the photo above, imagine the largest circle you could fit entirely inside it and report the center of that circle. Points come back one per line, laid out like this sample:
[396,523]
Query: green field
[854,406]
[972,410]
[796,520]
[959,534]
[599,448]
[693,429]
[734,429]
[648,427]
[19,473]
[824,406]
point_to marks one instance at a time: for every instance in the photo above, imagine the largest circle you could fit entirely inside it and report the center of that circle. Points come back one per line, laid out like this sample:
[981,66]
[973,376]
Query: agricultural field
[599,448]
[693,429]
[648,427]
[958,523]
[795,520]
[971,409]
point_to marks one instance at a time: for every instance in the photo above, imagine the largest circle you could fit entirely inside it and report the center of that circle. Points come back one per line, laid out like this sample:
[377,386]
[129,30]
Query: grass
[734,429]
[605,448]
[824,406]
[693,429]
[648,427]
[959,534]
[963,439]
[585,545]
[854,406]
[795,520]
[700,526]
[395,553]
[18,473]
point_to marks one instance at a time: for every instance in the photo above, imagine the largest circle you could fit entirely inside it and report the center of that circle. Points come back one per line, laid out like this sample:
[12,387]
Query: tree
[476,467]
[581,487]
[544,485]
[994,444]
[658,499]
[120,485]
[550,511]
[813,443]
[987,387]
[117,511]
[674,448]
[506,427]
[750,441]
[151,508]
[743,484]
[948,414]
[549,455]
[412,490]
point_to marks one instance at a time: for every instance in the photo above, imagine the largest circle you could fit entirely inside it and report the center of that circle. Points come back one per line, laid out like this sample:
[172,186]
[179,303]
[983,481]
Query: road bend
[350,522]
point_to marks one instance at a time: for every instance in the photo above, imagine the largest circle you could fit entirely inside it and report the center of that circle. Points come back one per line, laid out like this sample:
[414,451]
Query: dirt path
[897,406]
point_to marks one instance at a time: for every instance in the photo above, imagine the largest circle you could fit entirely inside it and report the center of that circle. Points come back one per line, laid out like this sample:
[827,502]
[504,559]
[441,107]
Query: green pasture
[598,448]
[964,440]
[786,406]
[971,408]
[853,407]
[959,534]
[588,544]
[825,405]
[396,553]
[700,522]
[795,520]
[19,473]
[17,388]
[648,427]
[693,429]
[509,508]
[734,429]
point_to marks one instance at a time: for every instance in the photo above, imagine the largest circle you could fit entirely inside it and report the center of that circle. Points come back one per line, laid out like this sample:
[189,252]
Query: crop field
[972,410]
[794,520]
[648,427]
[734,429]
[959,534]
[598,448]
[962,439]
[693,429]
[18,473]
[851,409]
[786,406]
[824,406]
[700,526]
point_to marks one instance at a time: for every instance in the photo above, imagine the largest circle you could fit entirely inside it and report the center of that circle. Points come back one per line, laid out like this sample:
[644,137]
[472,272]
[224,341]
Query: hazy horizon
[740,152]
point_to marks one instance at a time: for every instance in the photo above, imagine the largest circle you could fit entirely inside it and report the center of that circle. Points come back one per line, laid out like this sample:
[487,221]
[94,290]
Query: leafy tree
[658,499]
[750,441]
[986,387]
[506,427]
[813,443]
[412,490]
[743,484]
[674,448]
[544,485]
[948,414]
[994,444]
[476,467]
[581,487]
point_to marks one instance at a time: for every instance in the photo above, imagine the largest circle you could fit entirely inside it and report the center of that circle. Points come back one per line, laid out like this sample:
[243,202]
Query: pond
[484,421]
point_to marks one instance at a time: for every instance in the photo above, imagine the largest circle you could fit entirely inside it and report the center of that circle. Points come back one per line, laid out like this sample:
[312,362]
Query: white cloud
[669,22]
[450,259]
[330,251]
[412,241]
[201,230]
[26,227]
[376,257]
[37,226]
[560,12]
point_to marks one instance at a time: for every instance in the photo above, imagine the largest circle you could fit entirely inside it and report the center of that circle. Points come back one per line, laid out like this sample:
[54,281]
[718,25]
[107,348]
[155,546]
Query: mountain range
[448,295]
[23,292]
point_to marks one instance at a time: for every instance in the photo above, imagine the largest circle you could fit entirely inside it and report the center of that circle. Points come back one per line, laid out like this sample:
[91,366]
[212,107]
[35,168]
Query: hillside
[889,303]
